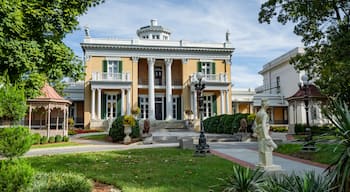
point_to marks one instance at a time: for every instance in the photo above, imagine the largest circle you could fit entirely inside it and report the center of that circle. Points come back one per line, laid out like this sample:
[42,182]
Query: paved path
[244,153]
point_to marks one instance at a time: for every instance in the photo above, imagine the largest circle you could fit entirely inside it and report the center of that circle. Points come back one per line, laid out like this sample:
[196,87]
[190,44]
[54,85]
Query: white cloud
[243,77]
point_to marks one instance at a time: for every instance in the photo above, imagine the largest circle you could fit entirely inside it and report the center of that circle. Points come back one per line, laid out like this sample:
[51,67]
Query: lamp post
[305,87]
[202,148]
[309,145]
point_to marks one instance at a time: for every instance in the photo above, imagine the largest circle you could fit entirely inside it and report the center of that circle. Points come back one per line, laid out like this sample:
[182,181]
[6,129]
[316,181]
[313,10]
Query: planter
[127,131]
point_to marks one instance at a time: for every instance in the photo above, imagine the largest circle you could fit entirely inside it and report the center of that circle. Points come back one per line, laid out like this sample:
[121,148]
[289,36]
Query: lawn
[48,145]
[100,137]
[146,170]
[326,153]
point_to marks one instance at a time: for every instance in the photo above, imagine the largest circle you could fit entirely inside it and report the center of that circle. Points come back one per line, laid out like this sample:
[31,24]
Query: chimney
[154,22]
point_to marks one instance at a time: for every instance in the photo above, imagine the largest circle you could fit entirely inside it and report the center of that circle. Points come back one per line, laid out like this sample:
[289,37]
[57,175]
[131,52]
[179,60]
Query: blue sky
[198,21]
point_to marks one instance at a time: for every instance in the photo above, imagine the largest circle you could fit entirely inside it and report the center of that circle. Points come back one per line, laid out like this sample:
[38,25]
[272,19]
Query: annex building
[152,72]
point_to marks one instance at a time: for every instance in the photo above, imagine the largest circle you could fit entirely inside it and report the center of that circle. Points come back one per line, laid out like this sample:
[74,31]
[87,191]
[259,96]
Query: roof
[313,92]
[49,94]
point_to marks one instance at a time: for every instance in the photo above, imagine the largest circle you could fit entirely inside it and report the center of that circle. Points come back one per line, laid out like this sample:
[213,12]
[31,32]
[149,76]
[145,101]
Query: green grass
[146,170]
[62,144]
[101,137]
[326,153]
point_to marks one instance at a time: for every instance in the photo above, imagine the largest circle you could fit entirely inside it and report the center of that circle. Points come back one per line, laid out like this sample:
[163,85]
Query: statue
[265,143]
[87,31]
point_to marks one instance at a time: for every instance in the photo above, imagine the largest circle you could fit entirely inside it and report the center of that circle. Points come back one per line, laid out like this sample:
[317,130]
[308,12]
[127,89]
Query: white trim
[112,58]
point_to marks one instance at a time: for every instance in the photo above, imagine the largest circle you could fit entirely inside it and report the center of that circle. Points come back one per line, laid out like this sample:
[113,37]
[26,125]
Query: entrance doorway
[159,108]
[158,75]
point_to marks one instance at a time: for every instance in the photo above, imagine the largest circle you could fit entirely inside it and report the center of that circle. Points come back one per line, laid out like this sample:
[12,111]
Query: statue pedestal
[269,168]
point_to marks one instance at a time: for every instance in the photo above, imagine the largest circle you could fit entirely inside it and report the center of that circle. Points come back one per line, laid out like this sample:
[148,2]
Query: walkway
[246,154]
[243,153]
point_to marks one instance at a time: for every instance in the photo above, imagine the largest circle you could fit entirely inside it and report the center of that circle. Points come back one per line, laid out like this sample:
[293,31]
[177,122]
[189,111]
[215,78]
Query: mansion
[151,72]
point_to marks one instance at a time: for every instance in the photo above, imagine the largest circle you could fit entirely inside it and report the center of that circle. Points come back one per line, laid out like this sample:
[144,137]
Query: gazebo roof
[49,94]
[314,92]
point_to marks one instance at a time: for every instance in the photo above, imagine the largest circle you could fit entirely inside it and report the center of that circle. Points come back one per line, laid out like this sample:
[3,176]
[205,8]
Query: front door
[159,108]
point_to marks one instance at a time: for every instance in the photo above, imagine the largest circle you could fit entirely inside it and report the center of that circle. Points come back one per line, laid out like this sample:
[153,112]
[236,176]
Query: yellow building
[155,74]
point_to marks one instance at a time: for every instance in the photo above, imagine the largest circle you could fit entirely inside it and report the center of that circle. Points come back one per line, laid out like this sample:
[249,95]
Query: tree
[31,46]
[325,30]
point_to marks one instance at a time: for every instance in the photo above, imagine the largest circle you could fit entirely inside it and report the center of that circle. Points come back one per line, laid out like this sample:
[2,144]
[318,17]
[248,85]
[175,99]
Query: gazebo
[310,98]
[54,107]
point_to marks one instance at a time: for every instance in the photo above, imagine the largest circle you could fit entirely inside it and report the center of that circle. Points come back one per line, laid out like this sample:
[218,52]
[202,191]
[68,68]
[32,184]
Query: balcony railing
[98,76]
[221,77]
[174,82]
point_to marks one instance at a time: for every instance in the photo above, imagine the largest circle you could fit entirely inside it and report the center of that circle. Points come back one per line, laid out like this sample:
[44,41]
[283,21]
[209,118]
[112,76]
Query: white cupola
[153,31]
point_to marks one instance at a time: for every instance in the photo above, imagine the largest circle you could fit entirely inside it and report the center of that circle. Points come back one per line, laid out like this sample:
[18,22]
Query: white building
[242,100]
[281,81]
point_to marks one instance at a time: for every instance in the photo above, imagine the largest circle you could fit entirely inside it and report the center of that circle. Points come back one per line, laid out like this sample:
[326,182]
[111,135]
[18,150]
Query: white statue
[265,142]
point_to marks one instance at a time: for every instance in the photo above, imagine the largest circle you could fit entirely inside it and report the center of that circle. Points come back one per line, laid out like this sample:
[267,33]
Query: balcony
[215,78]
[98,76]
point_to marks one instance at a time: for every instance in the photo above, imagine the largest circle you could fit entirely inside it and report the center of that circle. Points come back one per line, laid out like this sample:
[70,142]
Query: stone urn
[127,131]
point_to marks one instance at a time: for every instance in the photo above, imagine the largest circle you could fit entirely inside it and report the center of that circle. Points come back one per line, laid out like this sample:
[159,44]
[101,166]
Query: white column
[222,102]
[195,105]
[30,117]
[123,102]
[65,112]
[93,103]
[168,91]
[48,121]
[99,103]
[151,111]
[227,103]
[128,104]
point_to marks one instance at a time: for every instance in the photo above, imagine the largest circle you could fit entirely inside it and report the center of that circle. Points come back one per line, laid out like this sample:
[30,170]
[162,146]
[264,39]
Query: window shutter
[214,105]
[120,66]
[178,108]
[119,105]
[165,114]
[139,102]
[199,66]
[103,106]
[213,67]
[104,65]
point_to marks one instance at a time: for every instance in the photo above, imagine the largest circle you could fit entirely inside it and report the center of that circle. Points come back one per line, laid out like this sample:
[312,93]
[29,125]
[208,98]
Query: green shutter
[165,114]
[104,62]
[178,110]
[103,106]
[139,102]
[119,105]
[199,66]
[214,105]
[120,66]
[213,68]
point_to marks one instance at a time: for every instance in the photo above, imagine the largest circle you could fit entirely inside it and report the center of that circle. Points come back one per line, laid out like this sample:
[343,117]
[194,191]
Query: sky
[196,21]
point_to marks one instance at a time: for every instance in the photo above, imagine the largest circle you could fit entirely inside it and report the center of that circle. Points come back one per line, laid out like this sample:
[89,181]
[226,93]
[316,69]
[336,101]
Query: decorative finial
[87,31]
[228,36]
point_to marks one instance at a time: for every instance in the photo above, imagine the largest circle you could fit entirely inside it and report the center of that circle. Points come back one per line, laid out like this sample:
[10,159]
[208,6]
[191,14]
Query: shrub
[36,138]
[14,141]
[58,138]
[51,139]
[223,123]
[60,182]
[15,175]
[44,140]
[72,132]
[117,130]
[279,129]
[129,120]
[13,105]
[65,138]
[70,123]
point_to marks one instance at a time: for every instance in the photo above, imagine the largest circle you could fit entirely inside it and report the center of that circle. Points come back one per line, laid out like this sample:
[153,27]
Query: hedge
[225,123]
